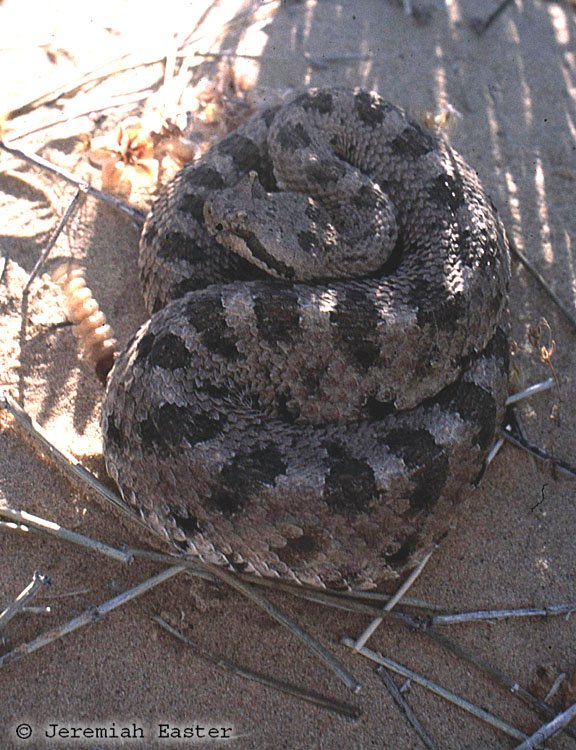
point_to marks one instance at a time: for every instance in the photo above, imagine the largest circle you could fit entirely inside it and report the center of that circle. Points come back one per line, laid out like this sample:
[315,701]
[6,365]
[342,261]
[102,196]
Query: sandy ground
[514,91]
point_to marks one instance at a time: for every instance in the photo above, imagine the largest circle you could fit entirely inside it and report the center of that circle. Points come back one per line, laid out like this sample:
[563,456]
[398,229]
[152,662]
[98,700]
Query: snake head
[230,209]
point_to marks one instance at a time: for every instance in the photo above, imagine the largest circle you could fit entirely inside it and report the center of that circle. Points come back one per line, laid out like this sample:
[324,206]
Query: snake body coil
[326,362]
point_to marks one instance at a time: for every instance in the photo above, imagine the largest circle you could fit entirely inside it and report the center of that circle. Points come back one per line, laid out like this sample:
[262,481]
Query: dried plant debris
[225,102]
[443,119]
[170,141]
[139,154]
[540,338]
[4,118]
[554,686]
[126,156]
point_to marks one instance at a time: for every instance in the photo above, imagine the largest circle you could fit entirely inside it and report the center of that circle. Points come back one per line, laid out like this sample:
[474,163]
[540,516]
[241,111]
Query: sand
[511,94]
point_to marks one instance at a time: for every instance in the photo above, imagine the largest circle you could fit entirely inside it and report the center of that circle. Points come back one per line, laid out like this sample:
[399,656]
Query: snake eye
[219,227]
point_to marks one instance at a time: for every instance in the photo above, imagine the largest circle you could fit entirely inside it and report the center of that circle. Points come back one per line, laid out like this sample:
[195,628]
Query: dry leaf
[126,157]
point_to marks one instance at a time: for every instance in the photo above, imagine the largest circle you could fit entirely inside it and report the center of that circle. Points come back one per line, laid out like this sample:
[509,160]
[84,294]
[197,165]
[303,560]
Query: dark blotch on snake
[473,404]
[443,316]
[293,137]
[189,524]
[307,241]
[447,191]
[350,484]
[355,323]
[379,409]
[170,426]
[371,110]
[277,320]
[319,101]
[167,351]
[245,475]
[113,434]
[243,152]
[201,176]
[420,453]
[302,549]
[413,142]
[181,247]
[323,172]
[399,558]
[192,204]
[208,317]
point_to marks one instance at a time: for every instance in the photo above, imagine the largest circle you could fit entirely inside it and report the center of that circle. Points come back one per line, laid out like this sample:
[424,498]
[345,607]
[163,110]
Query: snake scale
[326,361]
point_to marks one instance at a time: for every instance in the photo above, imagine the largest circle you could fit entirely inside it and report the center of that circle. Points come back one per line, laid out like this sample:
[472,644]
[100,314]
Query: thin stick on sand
[555,687]
[128,62]
[52,241]
[193,567]
[25,520]
[349,602]
[38,580]
[88,617]
[64,459]
[480,26]
[315,646]
[21,520]
[549,730]
[406,709]
[519,442]
[564,309]
[136,215]
[337,707]
[78,471]
[366,602]
[392,603]
[545,711]
[480,713]
[531,390]
[554,610]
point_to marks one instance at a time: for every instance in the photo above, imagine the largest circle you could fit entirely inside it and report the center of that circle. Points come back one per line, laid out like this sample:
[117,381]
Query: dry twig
[27,520]
[364,602]
[530,391]
[64,459]
[325,656]
[519,442]
[549,730]
[500,614]
[88,617]
[392,603]
[481,25]
[136,215]
[38,580]
[545,711]
[358,602]
[567,312]
[405,708]
[480,713]
[195,568]
[52,241]
[337,707]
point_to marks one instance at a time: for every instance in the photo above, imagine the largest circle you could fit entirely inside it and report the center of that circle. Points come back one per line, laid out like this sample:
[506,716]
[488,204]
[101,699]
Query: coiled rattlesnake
[326,362]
